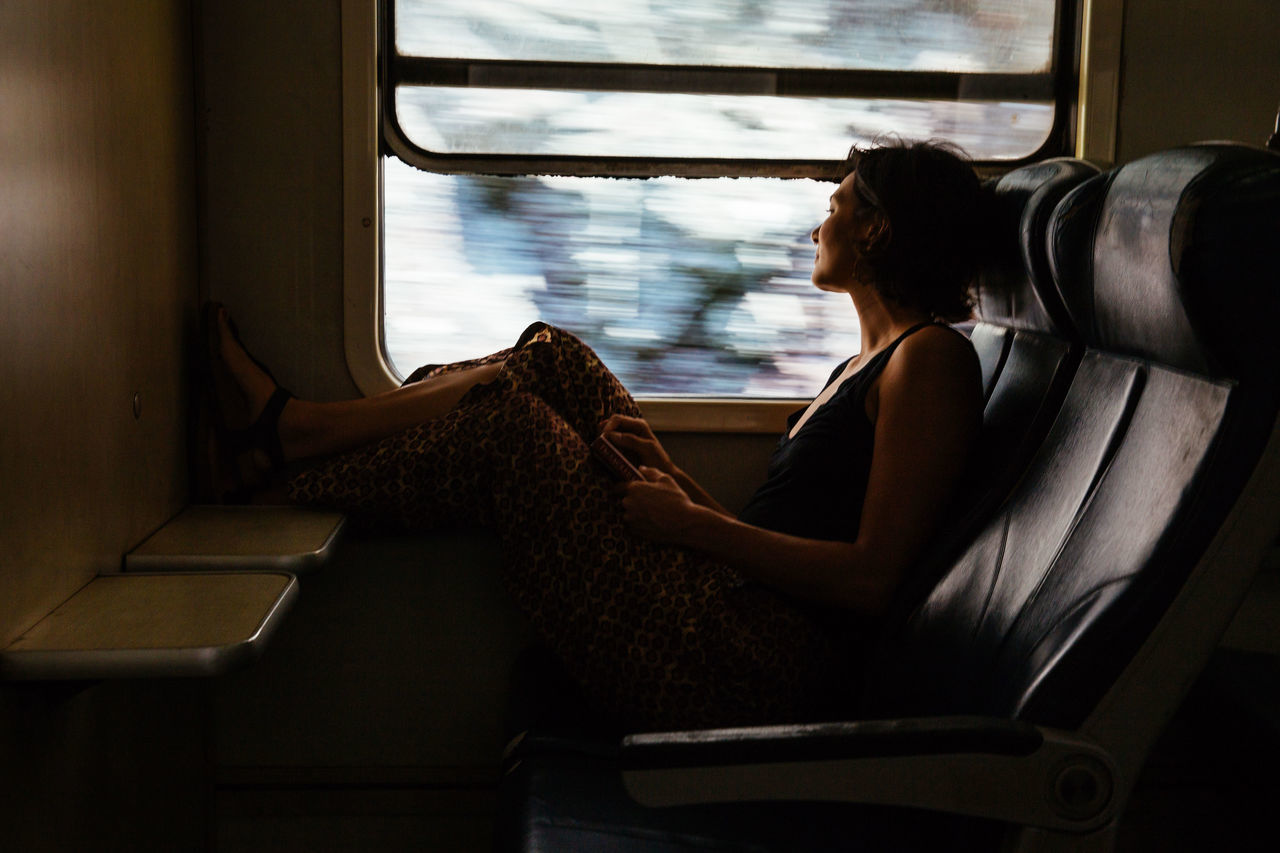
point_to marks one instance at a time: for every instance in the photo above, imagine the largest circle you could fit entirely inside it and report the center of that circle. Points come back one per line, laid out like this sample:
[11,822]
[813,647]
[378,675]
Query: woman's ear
[878,234]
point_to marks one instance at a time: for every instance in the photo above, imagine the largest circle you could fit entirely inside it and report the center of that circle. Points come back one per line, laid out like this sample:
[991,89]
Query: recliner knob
[1080,787]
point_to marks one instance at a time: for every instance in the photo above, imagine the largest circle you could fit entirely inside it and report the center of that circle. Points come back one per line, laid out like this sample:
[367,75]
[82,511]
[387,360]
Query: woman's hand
[657,508]
[636,440]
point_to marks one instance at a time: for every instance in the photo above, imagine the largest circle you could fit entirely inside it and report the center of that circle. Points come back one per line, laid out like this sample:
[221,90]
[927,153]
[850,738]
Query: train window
[647,174]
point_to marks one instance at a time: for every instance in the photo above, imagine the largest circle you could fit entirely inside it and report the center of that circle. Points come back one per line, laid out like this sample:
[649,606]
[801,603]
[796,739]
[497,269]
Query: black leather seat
[1024,337]
[1027,347]
[1164,266]
[1031,681]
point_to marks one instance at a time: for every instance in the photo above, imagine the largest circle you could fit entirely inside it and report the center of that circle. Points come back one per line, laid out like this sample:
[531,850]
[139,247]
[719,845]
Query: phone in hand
[611,457]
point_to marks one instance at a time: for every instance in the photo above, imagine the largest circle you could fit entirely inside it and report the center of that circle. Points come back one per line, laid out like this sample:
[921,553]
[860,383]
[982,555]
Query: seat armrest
[983,767]
[859,739]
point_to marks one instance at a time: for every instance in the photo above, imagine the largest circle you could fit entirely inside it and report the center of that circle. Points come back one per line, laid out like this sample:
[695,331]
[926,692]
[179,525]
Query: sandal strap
[263,434]
[267,427]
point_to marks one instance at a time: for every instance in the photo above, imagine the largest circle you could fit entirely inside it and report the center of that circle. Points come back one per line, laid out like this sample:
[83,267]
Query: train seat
[1027,347]
[1017,700]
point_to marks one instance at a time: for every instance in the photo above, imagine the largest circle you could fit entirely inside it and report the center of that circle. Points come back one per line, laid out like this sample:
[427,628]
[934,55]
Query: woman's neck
[882,320]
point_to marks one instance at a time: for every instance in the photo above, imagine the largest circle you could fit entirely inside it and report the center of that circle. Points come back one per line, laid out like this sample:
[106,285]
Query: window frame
[1084,28]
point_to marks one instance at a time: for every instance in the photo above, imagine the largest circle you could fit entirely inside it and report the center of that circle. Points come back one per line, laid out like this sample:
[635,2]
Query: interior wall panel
[1197,70]
[97,266]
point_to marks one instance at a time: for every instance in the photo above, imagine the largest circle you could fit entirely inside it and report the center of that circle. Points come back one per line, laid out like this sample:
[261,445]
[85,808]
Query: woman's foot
[244,448]
[259,432]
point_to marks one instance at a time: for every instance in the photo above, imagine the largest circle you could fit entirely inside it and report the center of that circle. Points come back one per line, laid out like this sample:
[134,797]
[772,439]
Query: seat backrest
[1167,268]
[1025,340]
[1027,349]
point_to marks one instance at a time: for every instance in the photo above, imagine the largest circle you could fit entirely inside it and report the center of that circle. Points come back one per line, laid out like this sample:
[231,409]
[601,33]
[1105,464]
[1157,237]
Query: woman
[667,609]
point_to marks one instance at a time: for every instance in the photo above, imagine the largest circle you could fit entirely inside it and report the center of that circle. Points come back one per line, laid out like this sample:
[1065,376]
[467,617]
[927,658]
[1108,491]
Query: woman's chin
[829,287]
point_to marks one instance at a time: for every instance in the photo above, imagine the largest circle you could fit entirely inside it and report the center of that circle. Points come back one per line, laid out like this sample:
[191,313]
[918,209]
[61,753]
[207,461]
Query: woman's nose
[813,235]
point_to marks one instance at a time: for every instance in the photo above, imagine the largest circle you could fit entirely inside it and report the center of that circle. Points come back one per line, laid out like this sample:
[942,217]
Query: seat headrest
[1176,258]
[1017,290]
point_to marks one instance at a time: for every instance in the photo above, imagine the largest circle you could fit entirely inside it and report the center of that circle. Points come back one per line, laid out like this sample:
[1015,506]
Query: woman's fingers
[627,440]
[625,425]
[643,450]
[635,437]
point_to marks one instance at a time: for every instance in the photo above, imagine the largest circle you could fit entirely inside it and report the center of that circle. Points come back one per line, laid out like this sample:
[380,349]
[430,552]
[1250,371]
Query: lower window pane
[684,287]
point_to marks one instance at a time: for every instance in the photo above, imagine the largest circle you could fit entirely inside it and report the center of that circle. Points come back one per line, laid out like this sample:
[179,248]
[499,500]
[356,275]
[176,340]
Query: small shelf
[153,626]
[240,538]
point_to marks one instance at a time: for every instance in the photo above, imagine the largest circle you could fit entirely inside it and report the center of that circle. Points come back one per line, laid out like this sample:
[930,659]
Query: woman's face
[847,226]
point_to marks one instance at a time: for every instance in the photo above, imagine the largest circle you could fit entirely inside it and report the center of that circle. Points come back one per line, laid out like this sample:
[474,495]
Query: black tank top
[817,481]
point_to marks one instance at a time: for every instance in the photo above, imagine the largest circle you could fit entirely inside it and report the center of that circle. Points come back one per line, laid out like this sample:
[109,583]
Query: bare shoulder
[933,375]
[936,354]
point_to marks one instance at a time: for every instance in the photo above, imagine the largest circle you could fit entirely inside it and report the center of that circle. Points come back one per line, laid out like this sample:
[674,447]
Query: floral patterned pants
[657,636]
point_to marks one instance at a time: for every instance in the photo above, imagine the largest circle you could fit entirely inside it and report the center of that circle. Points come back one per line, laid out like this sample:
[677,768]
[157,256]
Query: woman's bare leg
[309,429]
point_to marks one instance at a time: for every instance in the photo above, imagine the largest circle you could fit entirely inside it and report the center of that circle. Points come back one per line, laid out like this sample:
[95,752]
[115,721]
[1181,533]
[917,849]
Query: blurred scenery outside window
[684,286]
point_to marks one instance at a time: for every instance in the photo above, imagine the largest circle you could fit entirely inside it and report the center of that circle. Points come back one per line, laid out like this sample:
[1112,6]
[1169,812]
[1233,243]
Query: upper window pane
[919,35]
[638,124]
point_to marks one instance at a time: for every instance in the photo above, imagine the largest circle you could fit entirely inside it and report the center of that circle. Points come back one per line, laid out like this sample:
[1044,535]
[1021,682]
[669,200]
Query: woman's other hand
[636,440]
[657,508]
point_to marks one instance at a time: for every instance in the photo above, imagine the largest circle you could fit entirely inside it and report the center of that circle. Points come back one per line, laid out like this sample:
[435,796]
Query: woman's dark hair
[939,224]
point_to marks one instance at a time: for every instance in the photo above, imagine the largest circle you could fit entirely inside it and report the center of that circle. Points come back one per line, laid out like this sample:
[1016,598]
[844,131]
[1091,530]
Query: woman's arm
[810,569]
[927,408]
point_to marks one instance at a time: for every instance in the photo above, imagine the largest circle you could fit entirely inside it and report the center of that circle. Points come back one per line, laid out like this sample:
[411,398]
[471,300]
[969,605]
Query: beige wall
[1196,70]
[97,276]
